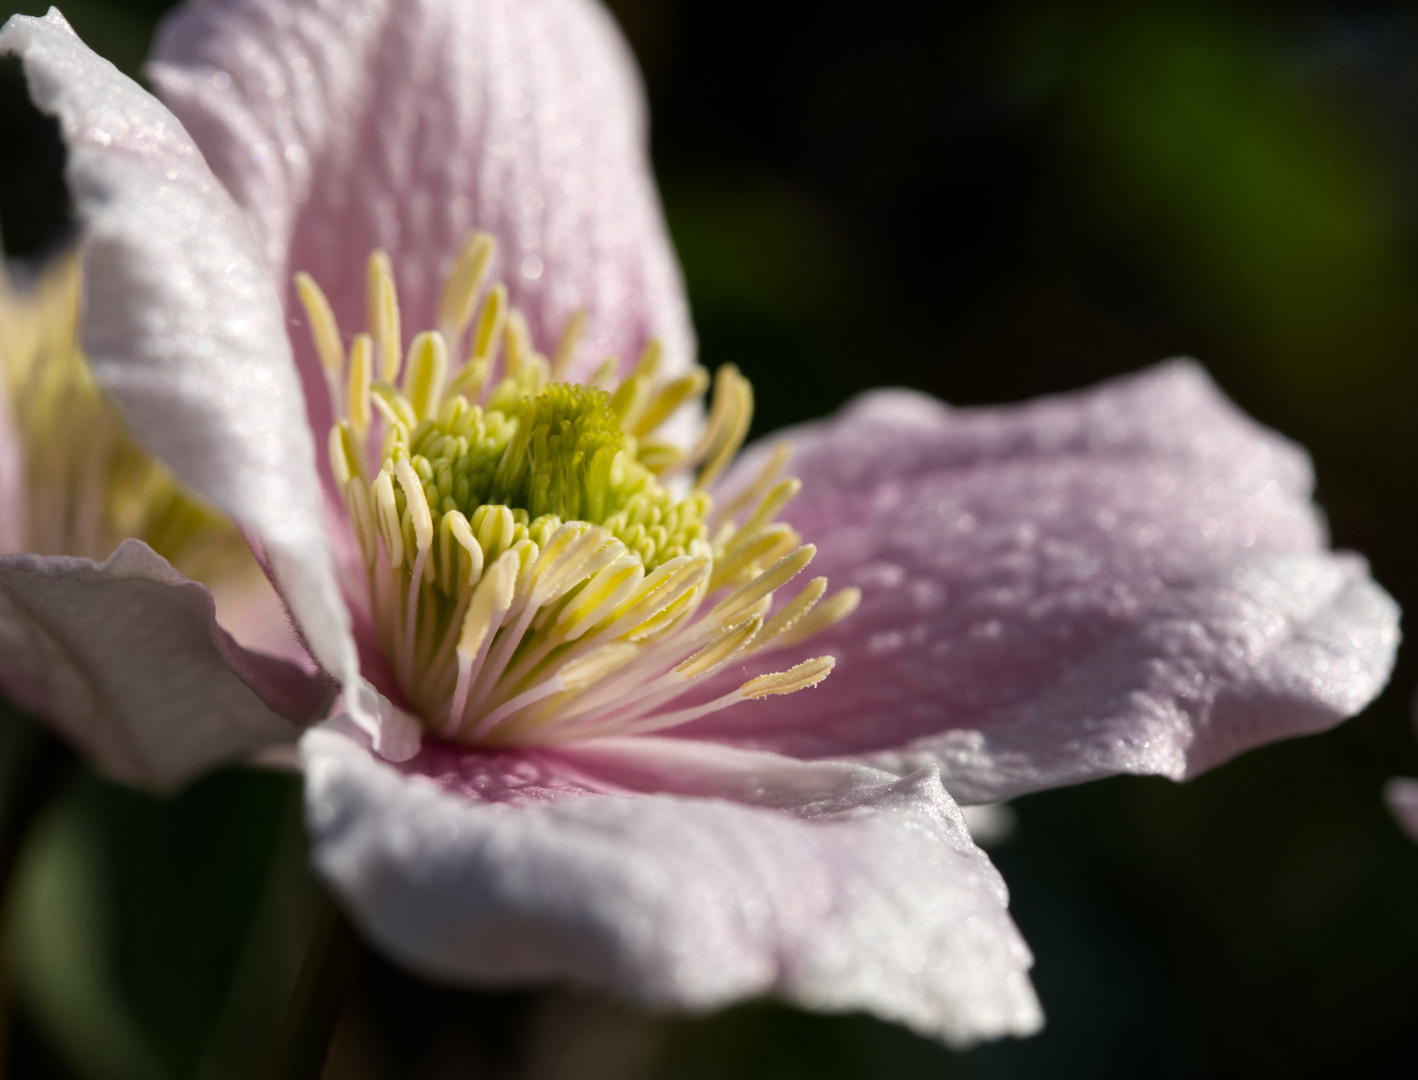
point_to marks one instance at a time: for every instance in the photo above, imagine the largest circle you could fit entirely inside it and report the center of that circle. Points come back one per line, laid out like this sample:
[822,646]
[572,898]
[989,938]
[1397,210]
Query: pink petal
[676,875]
[181,321]
[1401,794]
[1127,579]
[127,660]
[404,125]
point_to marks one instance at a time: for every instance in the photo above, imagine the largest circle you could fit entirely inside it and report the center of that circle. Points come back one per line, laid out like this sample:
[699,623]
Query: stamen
[460,295]
[841,604]
[800,677]
[491,324]
[361,374]
[384,315]
[323,328]
[425,374]
[566,347]
[531,578]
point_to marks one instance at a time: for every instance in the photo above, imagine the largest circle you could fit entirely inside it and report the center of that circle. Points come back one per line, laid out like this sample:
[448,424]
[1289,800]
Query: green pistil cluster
[559,453]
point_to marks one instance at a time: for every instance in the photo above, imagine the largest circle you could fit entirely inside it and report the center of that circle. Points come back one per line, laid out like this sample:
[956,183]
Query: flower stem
[332,963]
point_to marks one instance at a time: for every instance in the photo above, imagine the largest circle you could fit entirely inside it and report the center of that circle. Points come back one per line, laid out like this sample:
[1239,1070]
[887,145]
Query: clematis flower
[580,733]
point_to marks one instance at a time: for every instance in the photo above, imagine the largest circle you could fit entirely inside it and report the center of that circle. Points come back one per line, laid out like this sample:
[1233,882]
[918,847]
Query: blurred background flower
[986,202]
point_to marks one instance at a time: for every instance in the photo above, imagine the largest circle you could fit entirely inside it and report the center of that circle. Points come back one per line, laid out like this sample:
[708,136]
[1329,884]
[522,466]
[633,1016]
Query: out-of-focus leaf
[134,919]
[1269,214]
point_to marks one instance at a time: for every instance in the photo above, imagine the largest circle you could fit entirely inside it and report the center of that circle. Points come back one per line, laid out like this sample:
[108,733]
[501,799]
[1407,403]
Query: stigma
[543,563]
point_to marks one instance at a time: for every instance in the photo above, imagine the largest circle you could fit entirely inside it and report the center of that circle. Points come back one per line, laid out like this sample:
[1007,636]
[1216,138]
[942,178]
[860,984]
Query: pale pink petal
[403,124]
[675,875]
[126,659]
[1127,579]
[181,321]
[1401,794]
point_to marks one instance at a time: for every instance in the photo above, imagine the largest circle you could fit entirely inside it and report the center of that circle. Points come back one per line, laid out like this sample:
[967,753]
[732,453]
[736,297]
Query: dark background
[987,201]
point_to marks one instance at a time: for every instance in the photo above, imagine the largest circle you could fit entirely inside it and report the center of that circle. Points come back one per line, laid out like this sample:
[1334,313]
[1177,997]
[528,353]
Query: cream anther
[383,303]
[460,294]
[323,328]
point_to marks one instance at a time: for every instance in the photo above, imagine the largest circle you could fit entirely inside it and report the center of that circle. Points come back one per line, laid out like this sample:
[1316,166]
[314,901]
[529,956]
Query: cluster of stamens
[538,559]
[87,485]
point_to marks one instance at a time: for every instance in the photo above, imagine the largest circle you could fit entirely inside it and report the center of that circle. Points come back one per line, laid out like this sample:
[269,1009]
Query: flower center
[539,557]
[86,485]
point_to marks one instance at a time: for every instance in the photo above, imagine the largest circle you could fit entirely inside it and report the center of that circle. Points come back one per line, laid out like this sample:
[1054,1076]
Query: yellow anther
[361,376]
[491,600]
[460,294]
[494,527]
[730,415]
[669,399]
[793,610]
[392,404]
[566,347]
[324,331]
[777,461]
[456,525]
[650,358]
[797,677]
[596,665]
[344,454]
[630,400]
[488,334]
[778,497]
[426,374]
[383,301]
[721,650]
[668,585]
[834,609]
[469,381]
[748,549]
[766,583]
[603,378]
[519,343]
[605,593]
[659,457]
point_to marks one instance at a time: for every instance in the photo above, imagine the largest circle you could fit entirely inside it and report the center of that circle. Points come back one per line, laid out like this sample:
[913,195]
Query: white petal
[126,659]
[181,321]
[675,874]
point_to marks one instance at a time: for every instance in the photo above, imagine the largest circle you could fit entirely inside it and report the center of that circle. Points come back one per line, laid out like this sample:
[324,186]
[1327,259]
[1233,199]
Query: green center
[560,453]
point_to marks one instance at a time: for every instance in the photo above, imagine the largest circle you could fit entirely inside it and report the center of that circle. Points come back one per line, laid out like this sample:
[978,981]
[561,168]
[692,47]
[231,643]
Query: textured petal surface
[127,660]
[403,124]
[181,322]
[1401,794]
[1127,579]
[677,875]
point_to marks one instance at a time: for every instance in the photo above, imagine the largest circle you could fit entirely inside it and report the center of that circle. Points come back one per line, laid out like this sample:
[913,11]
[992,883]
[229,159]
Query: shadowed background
[987,202]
